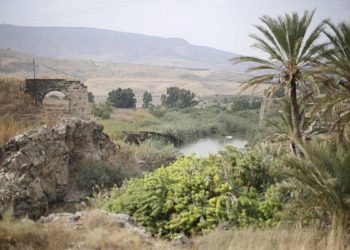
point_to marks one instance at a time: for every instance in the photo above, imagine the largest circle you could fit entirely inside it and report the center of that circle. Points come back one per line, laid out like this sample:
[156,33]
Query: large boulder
[35,167]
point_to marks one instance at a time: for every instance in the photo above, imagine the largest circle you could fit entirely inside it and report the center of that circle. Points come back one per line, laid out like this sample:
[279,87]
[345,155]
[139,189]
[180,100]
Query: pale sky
[222,24]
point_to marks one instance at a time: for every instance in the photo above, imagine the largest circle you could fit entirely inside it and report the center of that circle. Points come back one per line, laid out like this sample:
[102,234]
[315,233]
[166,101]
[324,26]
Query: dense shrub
[158,111]
[155,153]
[188,124]
[102,110]
[195,194]
[245,102]
[99,174]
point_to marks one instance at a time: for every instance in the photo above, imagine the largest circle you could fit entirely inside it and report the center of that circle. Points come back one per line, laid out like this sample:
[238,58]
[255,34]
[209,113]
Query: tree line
[125,98]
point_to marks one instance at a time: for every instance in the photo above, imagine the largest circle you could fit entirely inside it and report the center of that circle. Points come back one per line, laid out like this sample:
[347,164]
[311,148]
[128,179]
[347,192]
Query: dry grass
[25,234]
[266,239]
[13,102]
[18,112]
[98,231]
[95,232]
[9,127]
[12,97]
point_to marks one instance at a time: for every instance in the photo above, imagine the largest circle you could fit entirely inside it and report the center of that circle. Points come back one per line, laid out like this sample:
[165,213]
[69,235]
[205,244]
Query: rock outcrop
[77,220]
[35,167]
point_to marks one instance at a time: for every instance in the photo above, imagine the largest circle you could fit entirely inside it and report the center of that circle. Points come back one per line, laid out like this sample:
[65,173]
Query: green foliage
[179,98]
[195,194]
[335,82]
[91,97]
[188,124]
[99,174]
[244,103]
[147,99]
[155,153]
[122,98]
[321,179]
[158,111]
[102,110]
[292,52]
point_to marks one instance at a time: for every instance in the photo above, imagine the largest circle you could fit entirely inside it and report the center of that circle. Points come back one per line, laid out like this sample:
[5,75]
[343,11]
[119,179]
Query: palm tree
[338,54]
[291,53]
[283,138]
[322,177]
[335,105]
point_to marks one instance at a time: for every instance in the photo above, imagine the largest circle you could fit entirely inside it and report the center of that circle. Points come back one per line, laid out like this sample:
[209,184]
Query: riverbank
[187,125]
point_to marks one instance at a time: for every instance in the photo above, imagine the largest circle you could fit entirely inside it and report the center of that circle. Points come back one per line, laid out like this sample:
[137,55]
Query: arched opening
[55,101]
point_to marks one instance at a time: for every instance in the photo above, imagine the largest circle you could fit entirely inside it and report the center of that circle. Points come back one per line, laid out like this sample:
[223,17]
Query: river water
[205,146]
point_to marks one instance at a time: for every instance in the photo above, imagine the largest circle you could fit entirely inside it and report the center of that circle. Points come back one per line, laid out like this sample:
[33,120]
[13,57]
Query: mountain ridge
[114,46]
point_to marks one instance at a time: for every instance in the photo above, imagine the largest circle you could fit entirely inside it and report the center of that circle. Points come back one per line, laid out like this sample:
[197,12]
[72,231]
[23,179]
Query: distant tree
[122,98]
[147,99]
[179,98]
[91,97]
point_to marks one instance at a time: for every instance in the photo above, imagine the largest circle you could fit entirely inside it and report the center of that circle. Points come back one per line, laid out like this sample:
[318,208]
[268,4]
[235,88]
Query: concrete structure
[75,92]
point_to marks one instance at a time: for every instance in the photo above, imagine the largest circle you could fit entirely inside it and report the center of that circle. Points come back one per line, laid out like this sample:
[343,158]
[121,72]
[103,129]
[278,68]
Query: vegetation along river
[213,144]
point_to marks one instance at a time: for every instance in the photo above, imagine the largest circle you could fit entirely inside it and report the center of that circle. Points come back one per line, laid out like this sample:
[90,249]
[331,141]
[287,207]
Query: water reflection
[205,146]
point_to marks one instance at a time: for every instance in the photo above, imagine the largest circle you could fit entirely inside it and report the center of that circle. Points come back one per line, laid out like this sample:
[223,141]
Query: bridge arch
[76,92]
[55,100]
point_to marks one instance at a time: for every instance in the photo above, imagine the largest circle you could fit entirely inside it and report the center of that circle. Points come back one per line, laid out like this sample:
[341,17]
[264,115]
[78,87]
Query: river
[205,146]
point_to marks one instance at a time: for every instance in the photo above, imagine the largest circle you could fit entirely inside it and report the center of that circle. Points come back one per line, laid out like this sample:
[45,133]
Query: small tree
[147,99]
[122,98]
[101,110]
[179,98]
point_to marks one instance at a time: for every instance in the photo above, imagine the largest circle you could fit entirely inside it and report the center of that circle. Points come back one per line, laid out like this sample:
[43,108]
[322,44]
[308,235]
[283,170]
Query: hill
[102,77]
[107,45]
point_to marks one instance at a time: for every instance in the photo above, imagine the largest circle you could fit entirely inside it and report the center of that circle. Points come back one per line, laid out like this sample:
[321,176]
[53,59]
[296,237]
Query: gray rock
[75,220]
[35,167]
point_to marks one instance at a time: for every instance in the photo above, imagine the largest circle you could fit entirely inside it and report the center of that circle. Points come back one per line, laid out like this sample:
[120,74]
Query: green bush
[157,111]
[246,102]
[155,153]
[196,194]
[99,174]
[102,110]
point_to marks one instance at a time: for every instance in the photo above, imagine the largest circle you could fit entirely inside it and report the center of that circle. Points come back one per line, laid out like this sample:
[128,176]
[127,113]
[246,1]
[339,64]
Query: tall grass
[13,102]
[12,97]
[10,127]
[266,239]
[188,125]
[25,234]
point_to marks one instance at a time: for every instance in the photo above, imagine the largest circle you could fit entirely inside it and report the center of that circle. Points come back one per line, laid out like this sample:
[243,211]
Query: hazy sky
[222,24]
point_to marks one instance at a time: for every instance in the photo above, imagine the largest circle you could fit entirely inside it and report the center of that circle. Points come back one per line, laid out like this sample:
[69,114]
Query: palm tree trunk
[295,110]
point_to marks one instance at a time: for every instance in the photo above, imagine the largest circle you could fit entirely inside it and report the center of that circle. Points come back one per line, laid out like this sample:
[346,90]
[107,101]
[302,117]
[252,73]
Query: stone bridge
[75,92]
